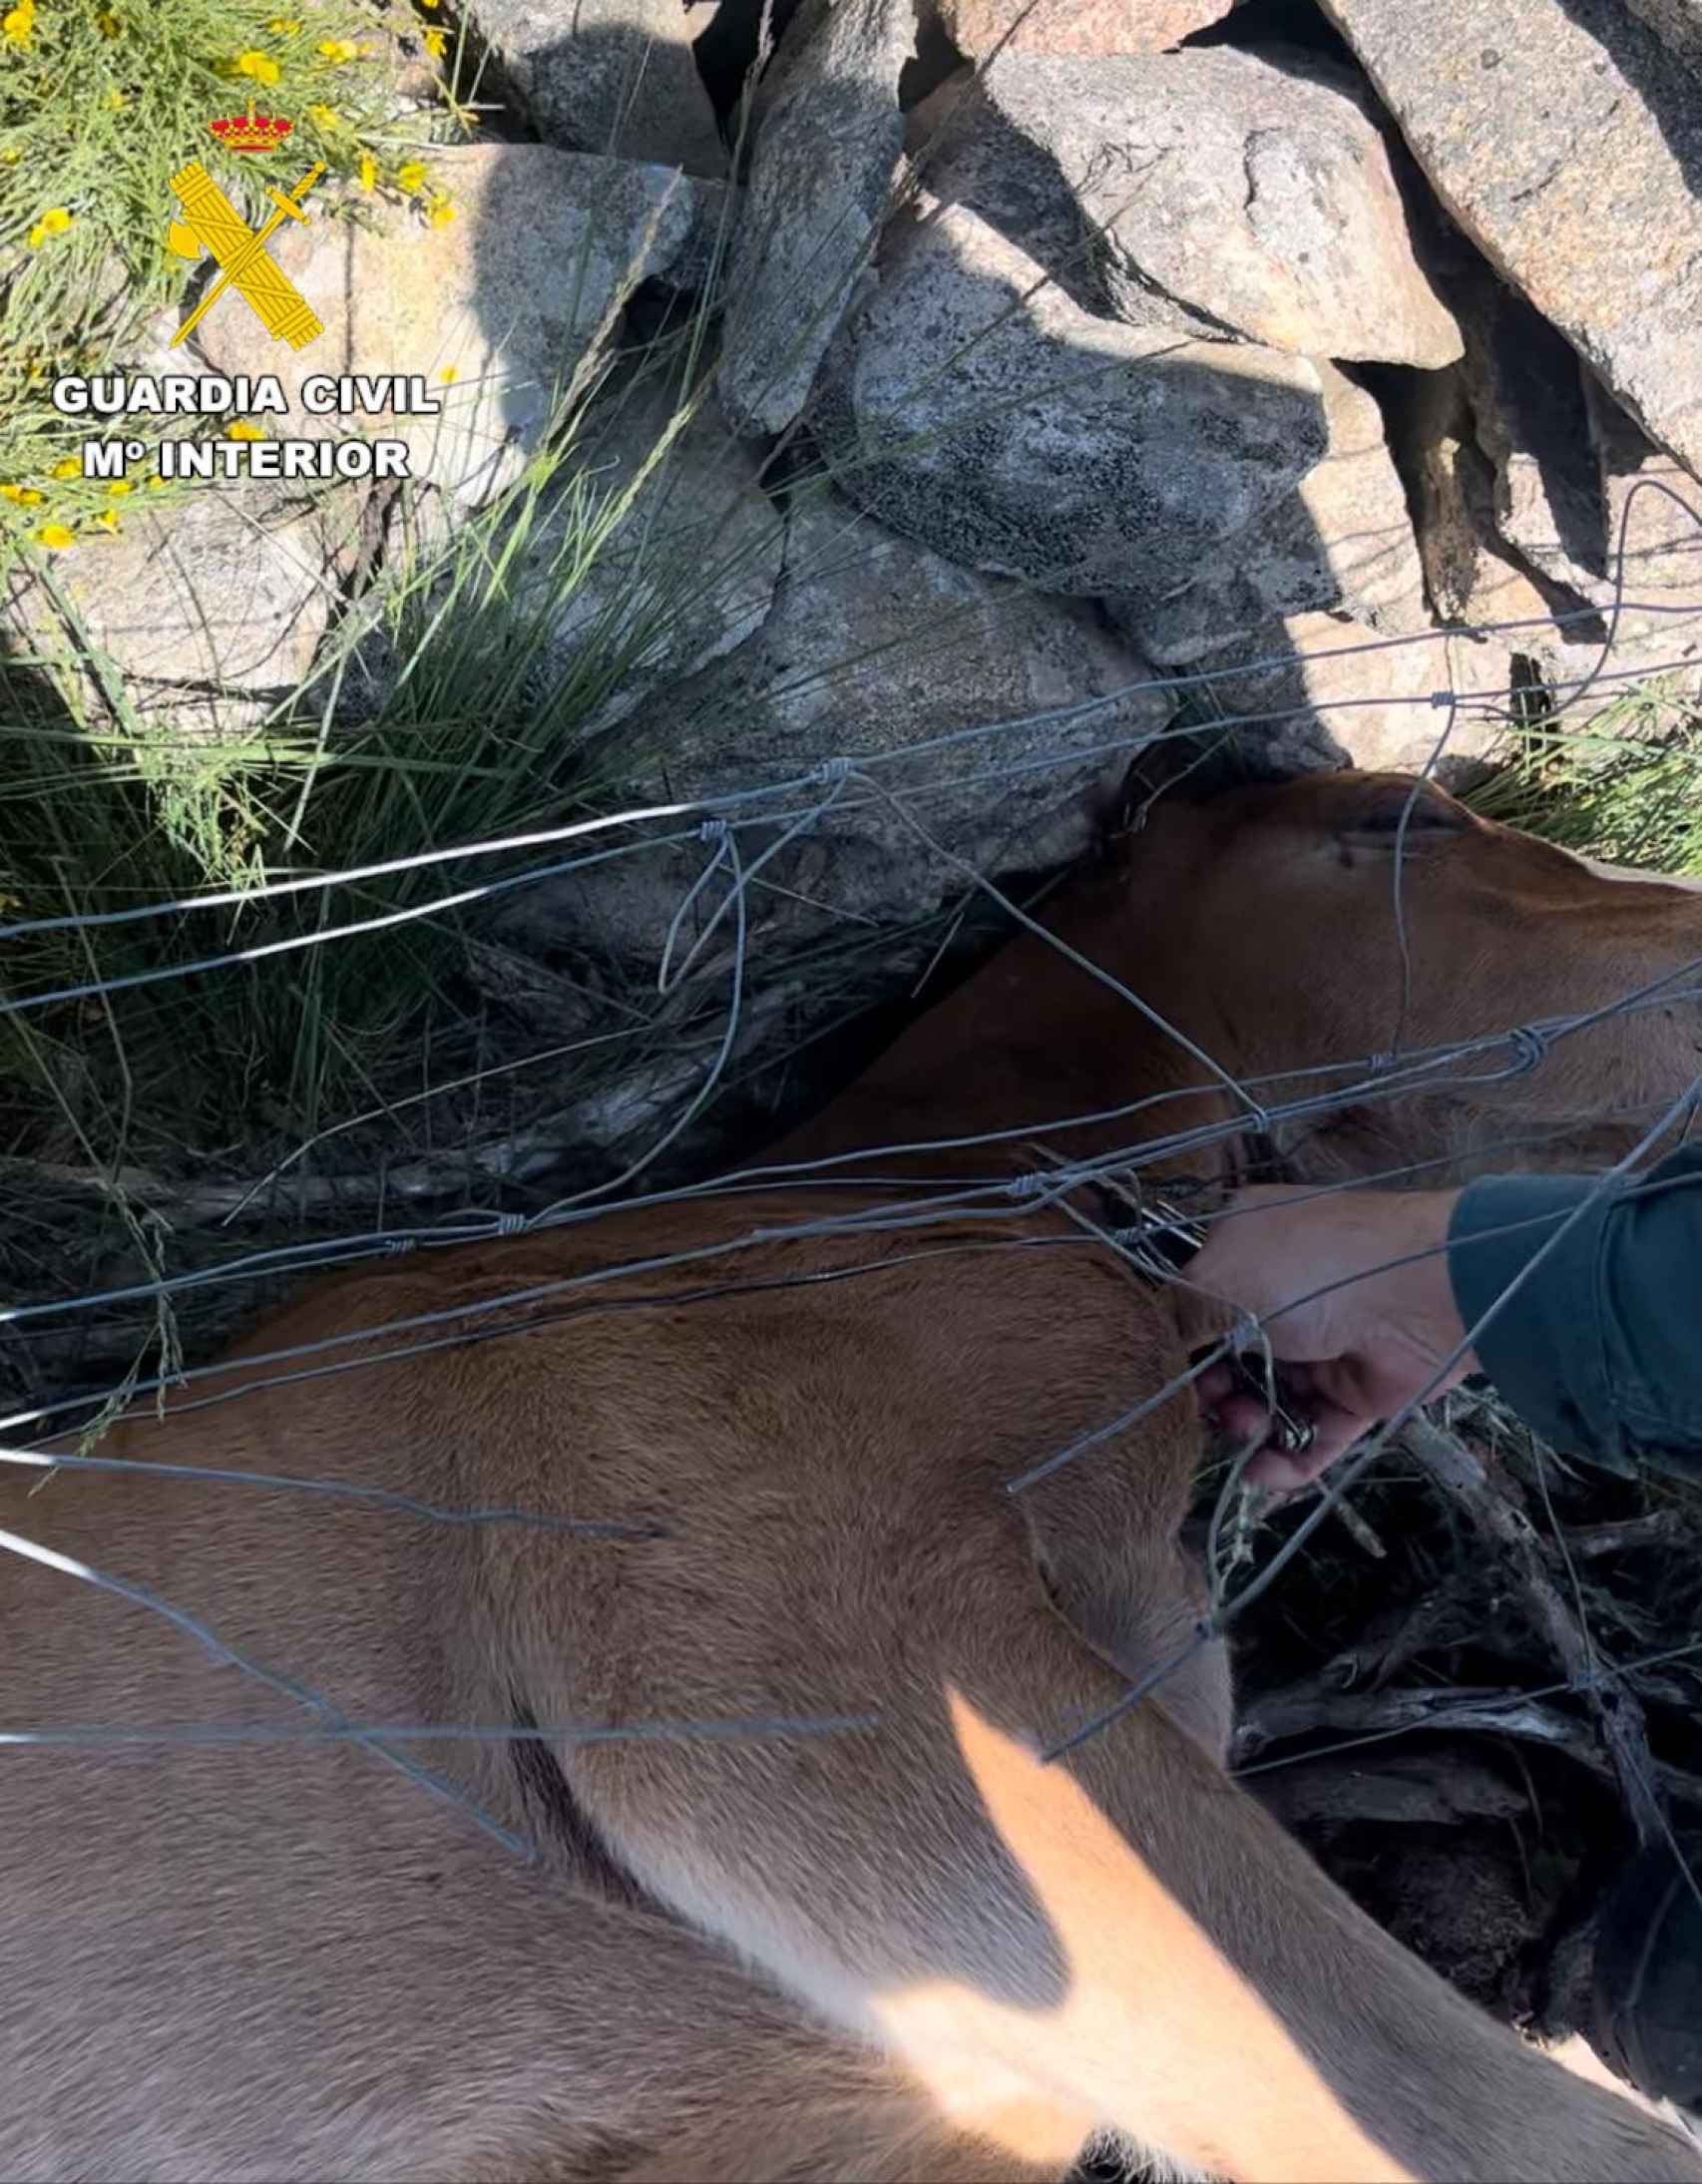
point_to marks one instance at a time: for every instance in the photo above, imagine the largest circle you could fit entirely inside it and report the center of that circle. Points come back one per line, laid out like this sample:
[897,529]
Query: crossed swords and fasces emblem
[212,222]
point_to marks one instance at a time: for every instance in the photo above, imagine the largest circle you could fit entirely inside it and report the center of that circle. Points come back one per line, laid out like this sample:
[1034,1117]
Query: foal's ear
[1375,811]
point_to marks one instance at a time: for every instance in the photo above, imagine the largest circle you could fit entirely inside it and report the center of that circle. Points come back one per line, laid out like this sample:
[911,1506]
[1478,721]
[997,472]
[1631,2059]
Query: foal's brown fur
[912,1952]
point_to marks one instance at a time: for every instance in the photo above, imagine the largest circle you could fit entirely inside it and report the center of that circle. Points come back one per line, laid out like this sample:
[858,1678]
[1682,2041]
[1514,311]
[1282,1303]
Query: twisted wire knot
[713,830]
[1531,1046]
[829,774]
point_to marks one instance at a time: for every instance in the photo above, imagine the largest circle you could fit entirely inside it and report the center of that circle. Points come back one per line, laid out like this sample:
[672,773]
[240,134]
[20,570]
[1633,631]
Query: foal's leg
[823,2132]
[1122,1938]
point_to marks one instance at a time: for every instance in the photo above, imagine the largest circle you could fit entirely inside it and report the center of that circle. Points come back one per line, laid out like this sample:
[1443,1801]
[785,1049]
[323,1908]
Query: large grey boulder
[1508,535]
[979,27]
[208,611]
[963,154]
[972,407]
[992,714]
[827,153]
[1320,688]
[1525,389]
[1343,540]
[499,309]
[1677,23]
[876,646]
[651,550]
[699,267]
[1651,508]
[1564,141]
[615,76]
[1244,193]
[685,571]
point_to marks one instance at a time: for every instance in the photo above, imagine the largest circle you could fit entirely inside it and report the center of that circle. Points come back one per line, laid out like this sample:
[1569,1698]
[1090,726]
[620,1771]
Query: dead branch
[1656,1529]
[1305,1711]
[1461,1474]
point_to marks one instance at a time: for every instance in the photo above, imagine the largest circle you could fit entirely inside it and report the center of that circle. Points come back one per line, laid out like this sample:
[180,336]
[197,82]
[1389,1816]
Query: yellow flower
[437,43]
[119,487]
[410,175]
[11,156]
[449,374]
[368,171]
[440,212]
[260,66]
[156,483]
[116,102]
[240,428]
[53,222]
[284,26]
[72,467]
[56,535]
[431,3]
[324,117]
[337,50]
[108,521]
[22,496]
[17,25]
[108,24]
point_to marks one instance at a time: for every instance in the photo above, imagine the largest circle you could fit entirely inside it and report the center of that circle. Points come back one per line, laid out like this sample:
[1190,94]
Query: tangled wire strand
[722,825]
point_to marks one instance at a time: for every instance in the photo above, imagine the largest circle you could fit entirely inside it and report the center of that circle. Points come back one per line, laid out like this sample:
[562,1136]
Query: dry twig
[1461,1474]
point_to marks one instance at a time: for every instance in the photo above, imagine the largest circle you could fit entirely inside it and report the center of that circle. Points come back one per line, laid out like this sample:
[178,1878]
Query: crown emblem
[252,132]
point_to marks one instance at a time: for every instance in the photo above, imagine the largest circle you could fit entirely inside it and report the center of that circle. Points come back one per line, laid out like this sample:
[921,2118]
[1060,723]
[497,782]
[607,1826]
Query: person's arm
[1599,1348]
[1597,1343]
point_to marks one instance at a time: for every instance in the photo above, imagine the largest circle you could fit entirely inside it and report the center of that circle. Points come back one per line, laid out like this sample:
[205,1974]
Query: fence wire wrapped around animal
[642,1536]
[791,1590]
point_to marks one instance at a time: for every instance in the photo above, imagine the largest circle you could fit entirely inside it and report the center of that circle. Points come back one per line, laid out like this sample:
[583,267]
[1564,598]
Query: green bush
[100,106]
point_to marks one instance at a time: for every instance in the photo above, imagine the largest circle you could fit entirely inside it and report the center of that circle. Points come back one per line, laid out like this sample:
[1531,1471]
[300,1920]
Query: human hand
[1353,1292]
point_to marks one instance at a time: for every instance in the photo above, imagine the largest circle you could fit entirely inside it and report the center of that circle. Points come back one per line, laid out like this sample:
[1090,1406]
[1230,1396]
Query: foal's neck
[1042,1062]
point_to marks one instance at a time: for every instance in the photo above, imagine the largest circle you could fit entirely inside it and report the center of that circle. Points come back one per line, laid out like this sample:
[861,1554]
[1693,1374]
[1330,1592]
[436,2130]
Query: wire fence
[890,1197]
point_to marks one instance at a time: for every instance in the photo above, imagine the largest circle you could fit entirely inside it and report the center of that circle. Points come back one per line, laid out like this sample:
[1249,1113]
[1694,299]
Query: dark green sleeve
[1597,1343]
